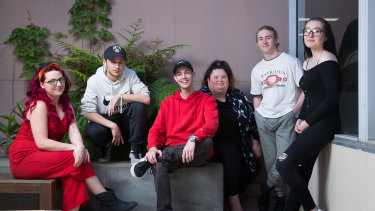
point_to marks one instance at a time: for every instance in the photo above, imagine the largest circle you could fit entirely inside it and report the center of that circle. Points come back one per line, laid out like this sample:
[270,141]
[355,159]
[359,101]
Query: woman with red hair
[38,153]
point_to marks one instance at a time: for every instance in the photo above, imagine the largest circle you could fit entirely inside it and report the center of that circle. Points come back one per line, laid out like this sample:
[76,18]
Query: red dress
[28,162]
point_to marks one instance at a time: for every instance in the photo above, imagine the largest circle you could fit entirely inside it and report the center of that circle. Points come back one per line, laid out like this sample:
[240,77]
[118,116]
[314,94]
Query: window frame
[366,49]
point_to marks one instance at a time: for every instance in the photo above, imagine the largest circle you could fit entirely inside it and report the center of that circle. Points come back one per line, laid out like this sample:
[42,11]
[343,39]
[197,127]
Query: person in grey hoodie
[114,103]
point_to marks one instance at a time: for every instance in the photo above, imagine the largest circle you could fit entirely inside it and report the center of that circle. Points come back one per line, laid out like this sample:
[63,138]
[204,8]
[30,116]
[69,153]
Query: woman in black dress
[235,142]
[319,119]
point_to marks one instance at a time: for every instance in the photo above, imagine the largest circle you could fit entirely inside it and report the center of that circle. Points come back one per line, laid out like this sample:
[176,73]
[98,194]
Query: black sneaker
[139,169]
[264,198]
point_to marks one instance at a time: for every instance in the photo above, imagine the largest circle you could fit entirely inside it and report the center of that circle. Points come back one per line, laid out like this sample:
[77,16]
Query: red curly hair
[35,93]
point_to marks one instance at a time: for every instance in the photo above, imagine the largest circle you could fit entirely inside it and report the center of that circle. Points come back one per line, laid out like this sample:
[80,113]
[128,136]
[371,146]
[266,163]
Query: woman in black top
[235,144]
[319,119]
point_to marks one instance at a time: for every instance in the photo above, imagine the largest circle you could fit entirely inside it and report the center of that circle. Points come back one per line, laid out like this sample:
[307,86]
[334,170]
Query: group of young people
[217,122]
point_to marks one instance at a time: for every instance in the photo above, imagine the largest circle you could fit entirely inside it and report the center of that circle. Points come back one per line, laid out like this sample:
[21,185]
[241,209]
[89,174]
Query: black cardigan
[321,86]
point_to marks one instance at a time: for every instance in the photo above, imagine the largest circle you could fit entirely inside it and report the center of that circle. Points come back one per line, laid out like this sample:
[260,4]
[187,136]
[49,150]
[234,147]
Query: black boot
[264,198]
[280,203]
[106,154]
[110,202]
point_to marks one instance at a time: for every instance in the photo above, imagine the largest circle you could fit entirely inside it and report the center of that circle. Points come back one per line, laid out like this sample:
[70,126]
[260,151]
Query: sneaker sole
[132,172]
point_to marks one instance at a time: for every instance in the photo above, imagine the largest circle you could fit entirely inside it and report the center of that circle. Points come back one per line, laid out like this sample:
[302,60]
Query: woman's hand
[301,125]
[257,149]
[298,122]
[87,157]
[79,154]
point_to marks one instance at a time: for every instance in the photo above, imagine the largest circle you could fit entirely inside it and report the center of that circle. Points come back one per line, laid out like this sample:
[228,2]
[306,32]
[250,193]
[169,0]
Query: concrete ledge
[193,188]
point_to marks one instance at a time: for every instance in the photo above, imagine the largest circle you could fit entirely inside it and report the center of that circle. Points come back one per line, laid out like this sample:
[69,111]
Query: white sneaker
[134,157]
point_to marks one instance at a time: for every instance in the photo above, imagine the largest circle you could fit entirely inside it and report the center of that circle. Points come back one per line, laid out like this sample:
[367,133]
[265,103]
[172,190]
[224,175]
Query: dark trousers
[237,174]
[172,160]
[299,161]
[132,123]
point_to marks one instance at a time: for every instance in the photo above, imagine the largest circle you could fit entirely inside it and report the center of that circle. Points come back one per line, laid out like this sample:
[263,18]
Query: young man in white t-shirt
[275,87]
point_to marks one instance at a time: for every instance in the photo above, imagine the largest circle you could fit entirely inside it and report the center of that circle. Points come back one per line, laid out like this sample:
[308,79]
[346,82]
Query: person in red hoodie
[181,134]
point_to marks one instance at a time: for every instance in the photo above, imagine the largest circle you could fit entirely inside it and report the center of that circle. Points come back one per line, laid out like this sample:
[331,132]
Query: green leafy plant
[80,62]
[11,128]
[30,46]
[86,18]
[150,68]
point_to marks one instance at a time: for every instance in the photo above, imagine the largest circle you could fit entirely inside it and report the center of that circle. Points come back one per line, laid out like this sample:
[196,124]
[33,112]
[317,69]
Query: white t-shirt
[277,80]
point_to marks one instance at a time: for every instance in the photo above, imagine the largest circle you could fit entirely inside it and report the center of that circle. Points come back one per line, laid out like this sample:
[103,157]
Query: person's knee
[137,107]
[281,163]
[160,168]
[207,142]
[97,134]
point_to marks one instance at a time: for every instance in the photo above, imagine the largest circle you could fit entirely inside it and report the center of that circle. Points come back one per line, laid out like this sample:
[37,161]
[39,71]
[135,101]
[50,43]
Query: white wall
[343,179]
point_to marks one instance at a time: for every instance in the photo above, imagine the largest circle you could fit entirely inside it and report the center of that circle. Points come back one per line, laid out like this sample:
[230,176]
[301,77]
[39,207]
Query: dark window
[343,17]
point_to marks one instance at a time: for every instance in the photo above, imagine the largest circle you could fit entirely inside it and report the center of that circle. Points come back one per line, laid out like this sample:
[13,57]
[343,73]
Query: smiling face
[266,42]
[114,67]
[315,41]
[53,91]
[218,82]
[184,77]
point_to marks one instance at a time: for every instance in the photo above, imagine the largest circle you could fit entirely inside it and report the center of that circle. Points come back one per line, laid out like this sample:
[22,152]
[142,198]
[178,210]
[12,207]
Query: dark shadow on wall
[323,162]
[348,61]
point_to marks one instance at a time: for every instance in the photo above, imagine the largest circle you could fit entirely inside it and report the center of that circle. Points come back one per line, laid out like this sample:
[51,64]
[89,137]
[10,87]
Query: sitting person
[184,125]
[114,103]
[38,153]
[232,146]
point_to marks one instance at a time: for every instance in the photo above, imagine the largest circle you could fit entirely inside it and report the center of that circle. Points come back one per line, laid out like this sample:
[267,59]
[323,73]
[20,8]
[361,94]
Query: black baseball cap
[182,63]
[114,50]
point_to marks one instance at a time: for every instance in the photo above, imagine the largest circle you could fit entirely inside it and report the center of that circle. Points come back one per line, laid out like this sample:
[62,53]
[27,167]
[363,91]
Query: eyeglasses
[43,67]
[53,82]
[315,32]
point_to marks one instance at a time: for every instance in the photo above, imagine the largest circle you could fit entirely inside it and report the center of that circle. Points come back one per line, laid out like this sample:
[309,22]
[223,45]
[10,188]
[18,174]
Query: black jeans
[298,161]
[132,122]
[172,160]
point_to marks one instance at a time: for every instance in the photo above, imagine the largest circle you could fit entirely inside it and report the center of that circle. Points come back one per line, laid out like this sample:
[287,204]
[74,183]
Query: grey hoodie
[100,90]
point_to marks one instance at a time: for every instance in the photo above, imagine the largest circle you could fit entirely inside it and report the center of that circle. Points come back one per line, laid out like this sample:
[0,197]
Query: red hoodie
[180,118]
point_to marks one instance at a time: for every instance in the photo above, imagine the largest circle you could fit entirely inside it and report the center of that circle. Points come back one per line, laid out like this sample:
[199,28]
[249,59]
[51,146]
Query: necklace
[317,62]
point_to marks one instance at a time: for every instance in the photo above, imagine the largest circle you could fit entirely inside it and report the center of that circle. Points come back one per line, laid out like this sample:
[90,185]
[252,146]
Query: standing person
[235,142]
[38,153]
[319,119]
[114,103]
[181,134]
[274,84]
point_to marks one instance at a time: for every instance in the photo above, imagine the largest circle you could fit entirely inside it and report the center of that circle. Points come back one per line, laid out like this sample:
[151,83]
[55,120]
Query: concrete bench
[46,189]
[193,188]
